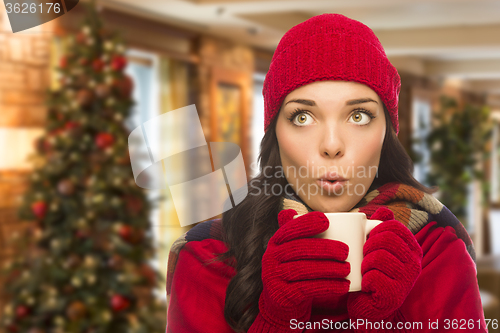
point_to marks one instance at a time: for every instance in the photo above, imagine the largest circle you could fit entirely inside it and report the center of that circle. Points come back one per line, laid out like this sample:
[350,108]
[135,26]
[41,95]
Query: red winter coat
[446,292]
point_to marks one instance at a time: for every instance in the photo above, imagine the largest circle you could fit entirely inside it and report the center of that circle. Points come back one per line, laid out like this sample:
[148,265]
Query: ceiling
[449,39]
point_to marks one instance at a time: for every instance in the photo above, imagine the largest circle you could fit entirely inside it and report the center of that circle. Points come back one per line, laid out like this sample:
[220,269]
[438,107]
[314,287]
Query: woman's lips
[335,187]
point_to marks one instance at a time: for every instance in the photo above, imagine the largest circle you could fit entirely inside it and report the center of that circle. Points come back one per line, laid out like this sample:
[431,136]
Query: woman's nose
[332,142]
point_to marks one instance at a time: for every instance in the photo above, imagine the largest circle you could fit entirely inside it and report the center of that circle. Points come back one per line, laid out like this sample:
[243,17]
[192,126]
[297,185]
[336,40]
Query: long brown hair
[249,226]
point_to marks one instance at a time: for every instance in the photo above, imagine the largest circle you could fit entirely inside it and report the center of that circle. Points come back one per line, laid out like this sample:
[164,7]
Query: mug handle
[370,224]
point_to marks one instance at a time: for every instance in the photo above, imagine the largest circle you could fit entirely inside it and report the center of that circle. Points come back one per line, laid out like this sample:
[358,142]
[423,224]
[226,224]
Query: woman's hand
[390,267]
[296,268]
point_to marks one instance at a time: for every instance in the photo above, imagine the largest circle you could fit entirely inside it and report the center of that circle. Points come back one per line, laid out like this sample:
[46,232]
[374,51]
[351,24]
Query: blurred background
[215,54]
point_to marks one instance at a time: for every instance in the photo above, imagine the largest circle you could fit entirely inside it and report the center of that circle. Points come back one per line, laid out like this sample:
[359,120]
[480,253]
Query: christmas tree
[83,267]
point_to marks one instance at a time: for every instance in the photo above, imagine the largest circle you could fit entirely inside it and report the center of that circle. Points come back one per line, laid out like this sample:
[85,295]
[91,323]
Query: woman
[331,101]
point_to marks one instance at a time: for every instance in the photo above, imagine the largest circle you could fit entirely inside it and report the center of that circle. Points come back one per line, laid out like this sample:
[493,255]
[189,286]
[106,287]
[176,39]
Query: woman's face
[327,129]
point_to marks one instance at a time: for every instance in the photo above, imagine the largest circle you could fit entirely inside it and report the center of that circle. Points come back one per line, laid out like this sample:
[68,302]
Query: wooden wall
[24,77]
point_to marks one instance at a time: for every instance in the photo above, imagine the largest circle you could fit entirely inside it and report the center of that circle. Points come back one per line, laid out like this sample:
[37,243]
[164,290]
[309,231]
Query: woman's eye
[302,119]
[360,118]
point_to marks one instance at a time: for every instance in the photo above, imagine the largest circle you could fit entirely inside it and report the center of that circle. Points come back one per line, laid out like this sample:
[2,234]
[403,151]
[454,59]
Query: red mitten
[296,268]
[390,267]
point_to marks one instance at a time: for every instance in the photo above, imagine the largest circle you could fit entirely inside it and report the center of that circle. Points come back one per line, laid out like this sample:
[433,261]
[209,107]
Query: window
[257,121]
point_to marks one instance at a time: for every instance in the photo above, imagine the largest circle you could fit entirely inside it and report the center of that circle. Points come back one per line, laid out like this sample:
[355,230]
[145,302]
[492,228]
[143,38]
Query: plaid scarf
[410,206]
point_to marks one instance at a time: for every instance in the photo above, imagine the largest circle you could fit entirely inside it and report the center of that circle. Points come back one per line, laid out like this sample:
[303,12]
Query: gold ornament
[54,206]
[91,279]
[52,291]
[55,244]
[75,281]
[81,222]
[109,151]
[26,275]
[7,264]
[109,79]
[115,201]
[70,93]
[52,302]
[110,101]
[7,310]
[108,45]
[59,321]
[74,104]
[98,198]
[76,310]
[86,30]
[106,316]
[89,261]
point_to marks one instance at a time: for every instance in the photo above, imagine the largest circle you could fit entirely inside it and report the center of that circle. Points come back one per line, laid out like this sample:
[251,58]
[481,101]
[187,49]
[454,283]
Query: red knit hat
[330,47]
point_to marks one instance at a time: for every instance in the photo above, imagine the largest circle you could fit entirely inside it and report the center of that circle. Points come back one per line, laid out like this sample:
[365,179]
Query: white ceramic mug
[351,229]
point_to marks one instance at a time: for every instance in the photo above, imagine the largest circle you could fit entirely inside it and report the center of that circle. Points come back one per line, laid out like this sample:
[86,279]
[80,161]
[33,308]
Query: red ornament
[134,205]
[81,234]
[104,140]
[98,65]
[36,330]
[119,303]
[55,132]
[12,276]
[126,232]
[80,38]
[118,63]
[63,62]
[12,328]
[22,311]
[84,97]
[124,86]
[71,125]
[39,208]
[102,90]
[84,61]
[115,262]
[40,145]
[131,234]
[148,273]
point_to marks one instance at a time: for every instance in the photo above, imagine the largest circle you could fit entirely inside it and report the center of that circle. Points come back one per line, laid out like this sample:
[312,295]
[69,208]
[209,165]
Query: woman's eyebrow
[302,101]
[359,101]
[350,102]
